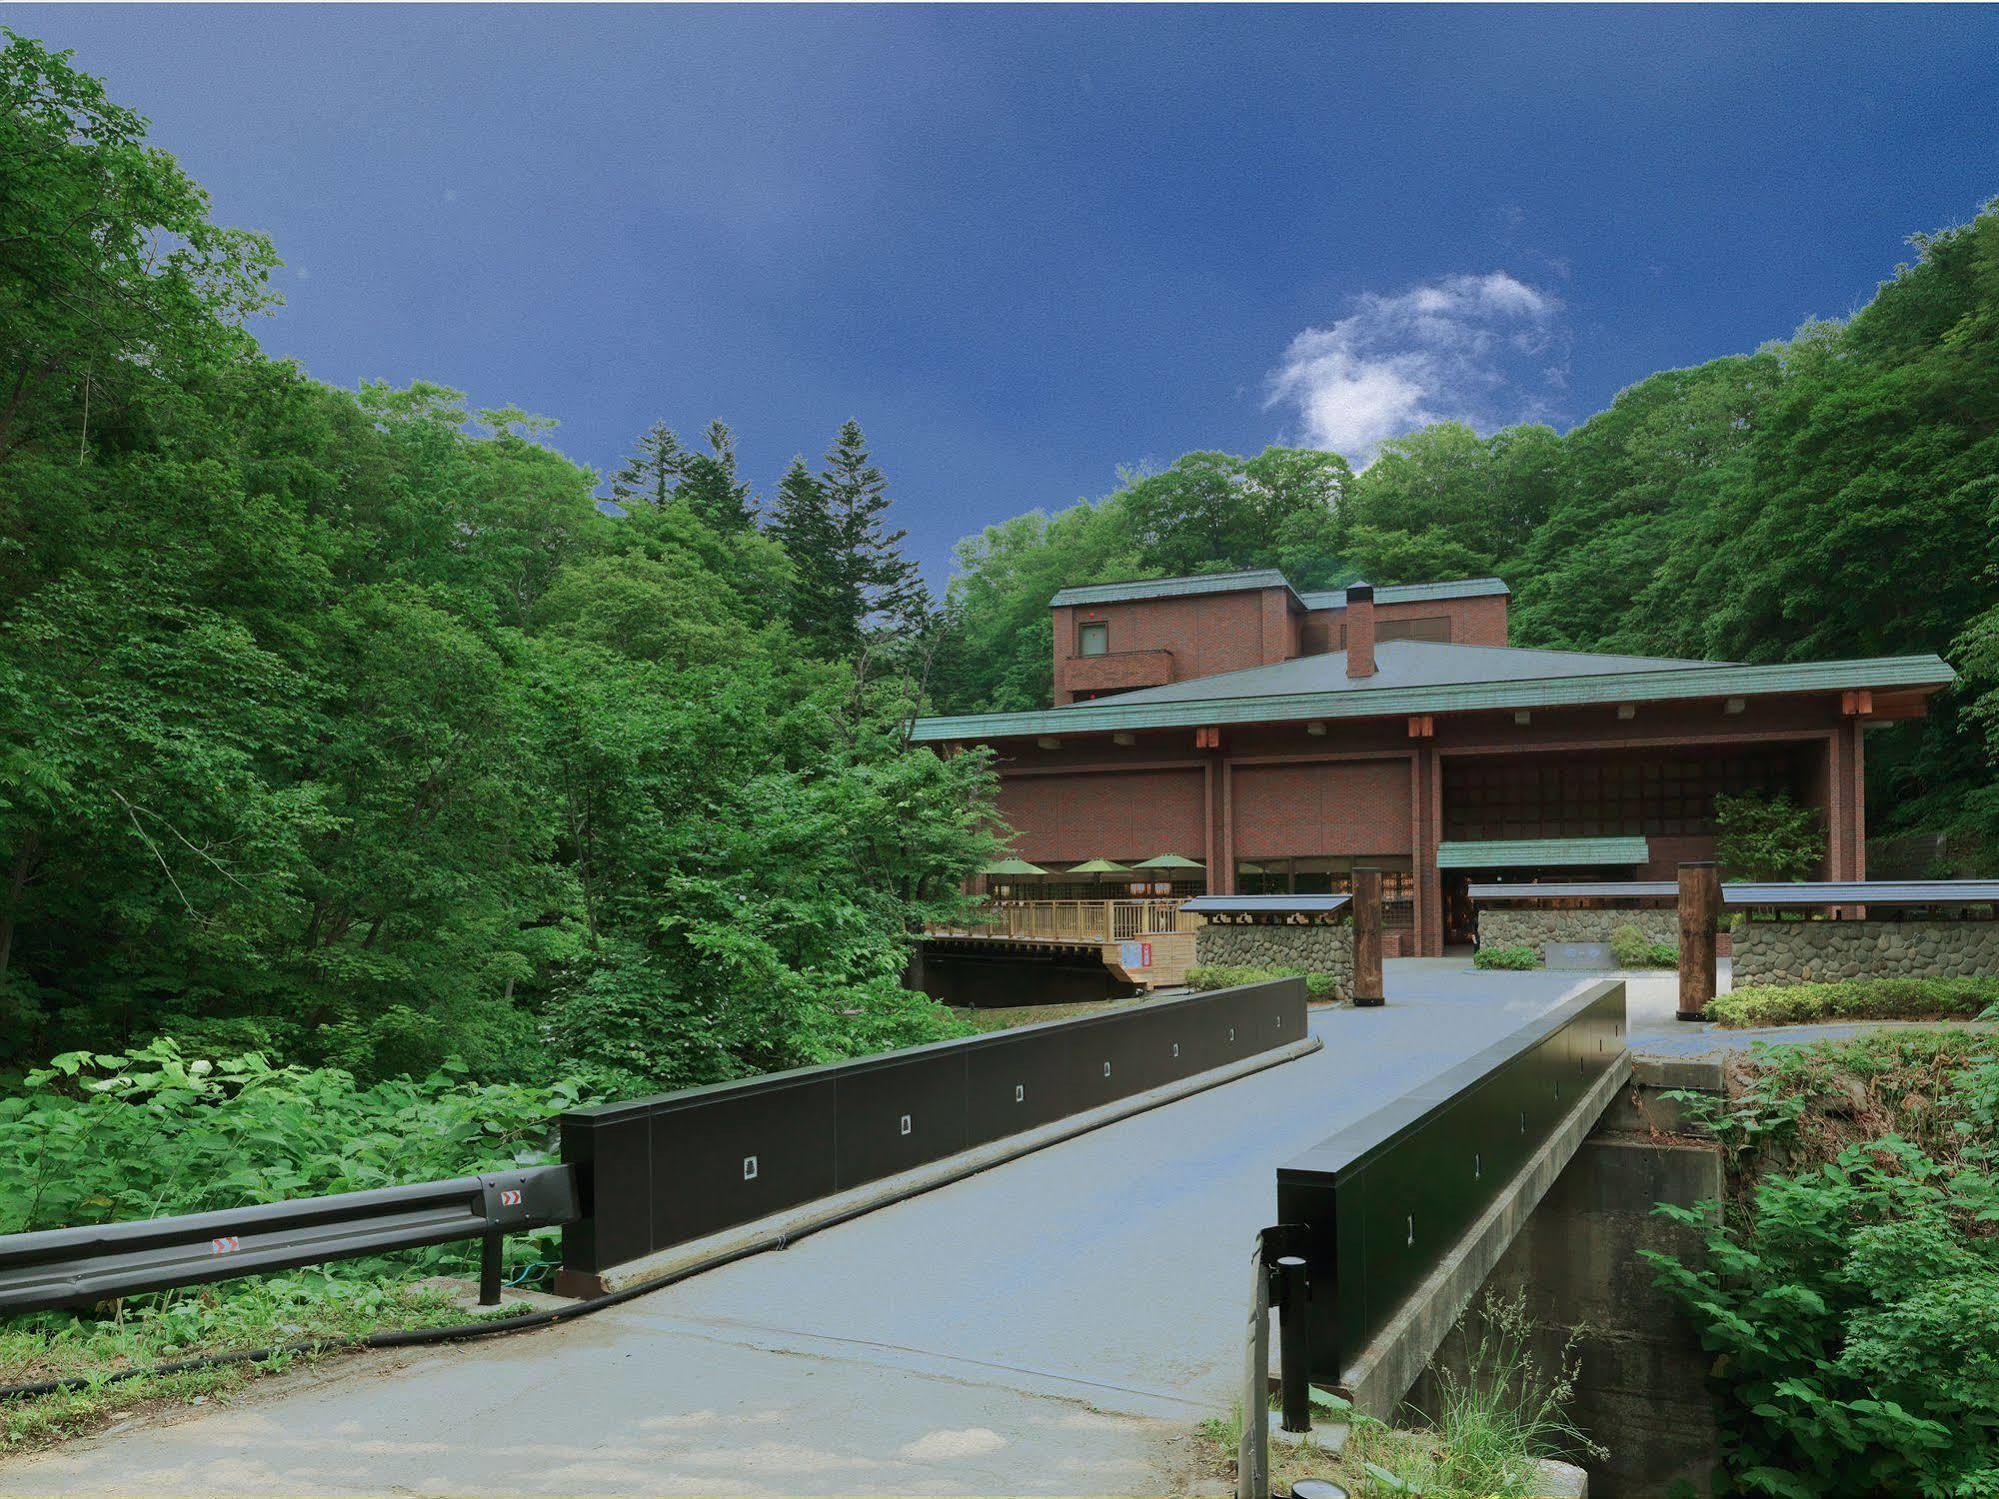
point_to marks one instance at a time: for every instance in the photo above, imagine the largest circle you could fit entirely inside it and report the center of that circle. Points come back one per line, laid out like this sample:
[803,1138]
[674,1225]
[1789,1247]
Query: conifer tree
[821,614]
[709,484]
[652,473]
[876,584]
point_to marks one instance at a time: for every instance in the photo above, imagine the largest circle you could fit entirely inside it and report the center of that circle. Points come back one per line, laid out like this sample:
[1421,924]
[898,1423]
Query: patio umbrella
[1249,869]
[1101,866]
[1168,861]
[1013,866]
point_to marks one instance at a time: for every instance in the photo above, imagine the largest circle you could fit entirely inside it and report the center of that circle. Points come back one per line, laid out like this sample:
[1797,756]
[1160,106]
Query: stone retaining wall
[1316,949]
[1523,926]
[1806,952]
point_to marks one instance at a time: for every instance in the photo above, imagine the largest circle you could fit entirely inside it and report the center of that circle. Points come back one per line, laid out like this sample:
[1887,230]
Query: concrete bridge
[1055,1325]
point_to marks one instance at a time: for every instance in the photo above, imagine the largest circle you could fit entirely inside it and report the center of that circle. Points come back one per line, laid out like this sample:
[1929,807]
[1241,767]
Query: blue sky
[1025,246]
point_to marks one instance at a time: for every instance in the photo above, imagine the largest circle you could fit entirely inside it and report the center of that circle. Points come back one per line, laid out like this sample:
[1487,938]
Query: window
[1093,639]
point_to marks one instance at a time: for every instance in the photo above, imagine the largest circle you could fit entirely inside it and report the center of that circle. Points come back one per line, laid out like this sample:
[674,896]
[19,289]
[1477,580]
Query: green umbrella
[1101,866]
[1249,869]
[1013,866]
[1168,861]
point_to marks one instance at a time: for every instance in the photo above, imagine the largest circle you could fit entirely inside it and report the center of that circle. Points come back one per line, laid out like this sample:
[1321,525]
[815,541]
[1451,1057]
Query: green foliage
[1512,958]
[105,1137]
[343,725]
[1760,837]
[1631,948]
[1850,1294]
[1855,999]
[1319,987]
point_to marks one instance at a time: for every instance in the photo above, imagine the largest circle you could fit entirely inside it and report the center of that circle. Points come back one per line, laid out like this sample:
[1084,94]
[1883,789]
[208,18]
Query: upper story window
[1093,638]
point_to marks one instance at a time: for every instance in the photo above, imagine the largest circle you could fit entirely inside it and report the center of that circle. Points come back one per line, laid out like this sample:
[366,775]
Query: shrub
[1850,1298]
[1513,958]
[1855,999]
[1631,948]
[1761,837]
[1318,986]
[102,1137]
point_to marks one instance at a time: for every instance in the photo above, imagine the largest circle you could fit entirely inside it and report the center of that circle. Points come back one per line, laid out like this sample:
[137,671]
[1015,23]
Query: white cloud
[1477,349]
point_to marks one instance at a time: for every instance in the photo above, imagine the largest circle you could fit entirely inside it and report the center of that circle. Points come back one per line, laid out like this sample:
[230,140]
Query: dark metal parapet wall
[659,1172]
[1386,1199]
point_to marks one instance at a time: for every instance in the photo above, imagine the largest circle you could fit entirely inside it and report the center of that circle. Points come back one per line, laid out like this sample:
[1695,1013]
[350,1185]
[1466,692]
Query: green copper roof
[1167,588]
[1665,681]
[1270,577]
[1525,853]
[1411,593]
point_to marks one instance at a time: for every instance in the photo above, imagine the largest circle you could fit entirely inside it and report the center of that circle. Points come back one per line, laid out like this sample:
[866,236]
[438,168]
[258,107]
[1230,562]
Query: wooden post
[1366,906]
[1700,909]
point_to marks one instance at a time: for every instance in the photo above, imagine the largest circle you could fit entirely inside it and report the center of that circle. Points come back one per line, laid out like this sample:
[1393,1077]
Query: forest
[347,728]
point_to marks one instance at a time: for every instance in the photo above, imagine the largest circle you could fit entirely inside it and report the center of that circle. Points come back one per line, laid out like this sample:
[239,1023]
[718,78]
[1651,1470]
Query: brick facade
[1206,634]
[1364,788]
[1390,788]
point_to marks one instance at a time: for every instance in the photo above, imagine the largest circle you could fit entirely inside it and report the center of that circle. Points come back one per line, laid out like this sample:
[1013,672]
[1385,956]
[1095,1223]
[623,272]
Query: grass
[1500,1414]
[1857,999]
[1511,959]
[145,1332]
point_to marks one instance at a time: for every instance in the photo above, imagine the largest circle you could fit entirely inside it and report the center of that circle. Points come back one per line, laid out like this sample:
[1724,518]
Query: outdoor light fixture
[1316,728]
[1048,741]
[1627,710]
[1121,737]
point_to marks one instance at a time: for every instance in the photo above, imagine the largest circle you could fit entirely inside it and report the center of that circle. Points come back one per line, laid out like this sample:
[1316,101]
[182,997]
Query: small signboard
[1131,954]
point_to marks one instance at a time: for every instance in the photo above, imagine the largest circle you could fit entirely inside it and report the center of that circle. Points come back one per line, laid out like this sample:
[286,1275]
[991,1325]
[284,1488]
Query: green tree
[653,471]
[872,584]
[710,486]
[822,606]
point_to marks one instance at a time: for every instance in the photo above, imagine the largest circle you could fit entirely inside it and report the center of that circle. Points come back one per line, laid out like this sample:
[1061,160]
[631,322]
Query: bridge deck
[1031,1330]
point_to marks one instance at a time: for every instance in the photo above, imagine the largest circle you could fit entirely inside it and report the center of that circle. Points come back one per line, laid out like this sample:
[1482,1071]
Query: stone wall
[1524,926]
[1805,952]
[1315,948]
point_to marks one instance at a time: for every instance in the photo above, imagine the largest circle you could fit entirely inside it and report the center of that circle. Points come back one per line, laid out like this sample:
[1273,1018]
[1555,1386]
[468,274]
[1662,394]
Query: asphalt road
[1051,1326]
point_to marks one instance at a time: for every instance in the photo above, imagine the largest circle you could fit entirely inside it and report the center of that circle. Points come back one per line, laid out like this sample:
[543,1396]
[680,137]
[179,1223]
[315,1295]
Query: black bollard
[1294,1361]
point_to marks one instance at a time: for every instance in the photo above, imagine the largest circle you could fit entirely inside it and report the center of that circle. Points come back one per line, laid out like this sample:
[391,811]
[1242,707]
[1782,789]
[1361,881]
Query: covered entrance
[1524,861]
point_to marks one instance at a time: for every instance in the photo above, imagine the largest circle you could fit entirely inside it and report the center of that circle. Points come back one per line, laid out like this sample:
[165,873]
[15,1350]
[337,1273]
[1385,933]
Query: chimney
[1360,630]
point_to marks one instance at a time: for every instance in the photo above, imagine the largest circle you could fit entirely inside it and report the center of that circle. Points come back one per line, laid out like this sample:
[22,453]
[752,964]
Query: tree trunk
[17,880]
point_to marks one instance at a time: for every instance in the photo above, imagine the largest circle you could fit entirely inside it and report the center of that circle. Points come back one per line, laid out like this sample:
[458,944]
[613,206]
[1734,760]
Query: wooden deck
[1144,942]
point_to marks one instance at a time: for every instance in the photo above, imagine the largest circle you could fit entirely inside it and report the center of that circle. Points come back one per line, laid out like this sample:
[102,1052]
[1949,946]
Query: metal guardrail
[77,1266]
[659,1172]
[1384,1200]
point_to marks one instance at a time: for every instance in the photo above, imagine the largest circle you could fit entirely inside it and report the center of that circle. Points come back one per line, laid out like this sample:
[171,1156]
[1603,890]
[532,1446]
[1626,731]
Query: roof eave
[1907,673]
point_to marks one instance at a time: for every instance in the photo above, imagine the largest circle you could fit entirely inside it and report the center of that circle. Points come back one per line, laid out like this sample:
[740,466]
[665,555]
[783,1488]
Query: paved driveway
[1049,1326]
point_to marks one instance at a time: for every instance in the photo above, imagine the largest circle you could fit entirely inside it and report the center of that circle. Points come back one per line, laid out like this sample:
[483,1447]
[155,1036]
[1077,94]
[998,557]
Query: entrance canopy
[1530,853]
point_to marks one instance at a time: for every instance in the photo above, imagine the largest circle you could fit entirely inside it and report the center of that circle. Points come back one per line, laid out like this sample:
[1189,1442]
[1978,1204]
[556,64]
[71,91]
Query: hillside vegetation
[341,726]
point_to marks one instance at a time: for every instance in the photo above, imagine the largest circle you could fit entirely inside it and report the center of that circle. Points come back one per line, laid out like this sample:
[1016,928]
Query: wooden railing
[1074,921]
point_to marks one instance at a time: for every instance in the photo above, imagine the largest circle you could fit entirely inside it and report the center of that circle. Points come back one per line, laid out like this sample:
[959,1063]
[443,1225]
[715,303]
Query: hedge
[1856,999]
[1513,958]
